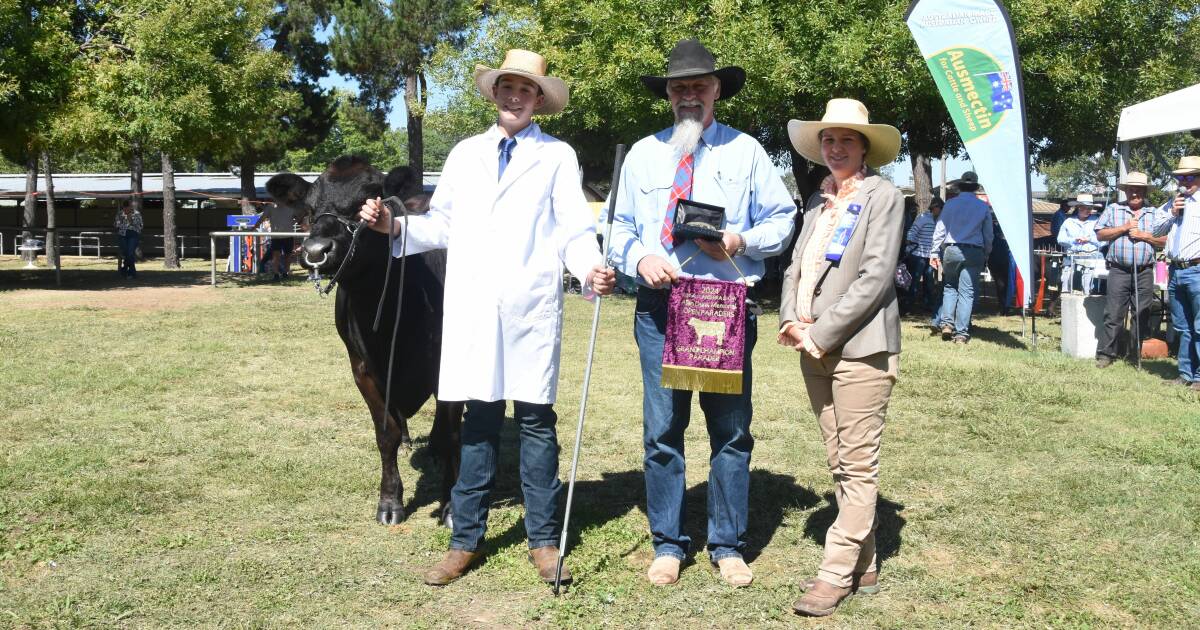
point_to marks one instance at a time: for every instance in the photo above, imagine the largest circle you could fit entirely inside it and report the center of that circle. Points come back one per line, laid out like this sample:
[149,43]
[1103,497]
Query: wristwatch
[741,250]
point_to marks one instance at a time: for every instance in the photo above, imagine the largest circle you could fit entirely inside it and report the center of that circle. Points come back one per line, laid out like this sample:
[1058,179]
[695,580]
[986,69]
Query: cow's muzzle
[317,252]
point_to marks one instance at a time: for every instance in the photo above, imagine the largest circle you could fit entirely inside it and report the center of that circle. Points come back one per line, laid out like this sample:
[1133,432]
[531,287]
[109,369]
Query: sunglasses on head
[1189,178]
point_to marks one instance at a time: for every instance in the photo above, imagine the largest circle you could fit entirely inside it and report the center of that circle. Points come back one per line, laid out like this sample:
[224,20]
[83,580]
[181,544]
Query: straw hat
[851,114]
[530,65]
[1188,165]
[1083,199]
[689,58]
[1133,180]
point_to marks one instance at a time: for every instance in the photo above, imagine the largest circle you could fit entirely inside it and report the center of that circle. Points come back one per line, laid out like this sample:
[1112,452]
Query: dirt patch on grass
[138,299]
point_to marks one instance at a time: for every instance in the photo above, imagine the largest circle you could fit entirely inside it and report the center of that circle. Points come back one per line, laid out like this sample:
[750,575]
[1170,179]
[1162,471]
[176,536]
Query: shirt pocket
[657,192]
[733,187]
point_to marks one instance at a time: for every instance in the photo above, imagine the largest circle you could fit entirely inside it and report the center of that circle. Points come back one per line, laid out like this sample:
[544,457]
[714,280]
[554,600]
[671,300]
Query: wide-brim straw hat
[851,114]
[1083,199]
[1188,165]
[689,58]
[532,66]
[1134,179]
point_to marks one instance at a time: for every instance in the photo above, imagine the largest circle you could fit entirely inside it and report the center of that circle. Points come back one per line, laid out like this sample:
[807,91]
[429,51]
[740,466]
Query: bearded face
[692,100]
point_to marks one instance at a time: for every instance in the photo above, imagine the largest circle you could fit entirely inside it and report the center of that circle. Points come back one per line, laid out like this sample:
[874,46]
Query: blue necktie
[506,148]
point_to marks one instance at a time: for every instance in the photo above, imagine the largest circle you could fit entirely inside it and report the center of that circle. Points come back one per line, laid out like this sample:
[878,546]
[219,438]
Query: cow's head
[331,204]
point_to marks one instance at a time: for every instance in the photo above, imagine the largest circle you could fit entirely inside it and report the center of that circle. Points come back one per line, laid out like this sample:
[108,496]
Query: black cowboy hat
[690,59]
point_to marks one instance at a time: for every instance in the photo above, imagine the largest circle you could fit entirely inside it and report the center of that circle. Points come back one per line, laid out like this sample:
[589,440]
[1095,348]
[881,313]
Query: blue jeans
[469,499]
[1184,295]
[665,416]
[924,277]
[961,267]
[128,244]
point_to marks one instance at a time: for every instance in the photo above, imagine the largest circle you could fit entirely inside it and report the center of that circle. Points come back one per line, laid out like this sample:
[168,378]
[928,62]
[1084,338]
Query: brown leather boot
[452,567]
[865,583]
[821,600]
[546,561]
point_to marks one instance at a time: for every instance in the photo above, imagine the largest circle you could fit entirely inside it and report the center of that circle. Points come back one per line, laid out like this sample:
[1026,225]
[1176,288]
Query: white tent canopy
[1169,113]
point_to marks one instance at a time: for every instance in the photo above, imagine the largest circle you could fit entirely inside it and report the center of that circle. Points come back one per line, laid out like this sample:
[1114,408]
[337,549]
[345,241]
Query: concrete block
[1082,318]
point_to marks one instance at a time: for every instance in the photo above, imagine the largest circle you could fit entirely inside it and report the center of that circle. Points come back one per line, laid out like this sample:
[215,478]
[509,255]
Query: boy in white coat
[510,211]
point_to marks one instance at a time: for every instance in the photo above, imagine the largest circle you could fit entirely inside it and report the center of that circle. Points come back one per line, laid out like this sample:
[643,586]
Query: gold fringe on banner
[702,379]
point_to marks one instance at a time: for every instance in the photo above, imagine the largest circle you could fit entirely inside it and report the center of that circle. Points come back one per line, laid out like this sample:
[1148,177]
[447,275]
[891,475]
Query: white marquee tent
[1176,112]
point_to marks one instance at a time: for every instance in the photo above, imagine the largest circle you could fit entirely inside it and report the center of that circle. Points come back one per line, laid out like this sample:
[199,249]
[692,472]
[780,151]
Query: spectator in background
[282,219]
[1129,230]
[1059,217]
[999,264]
[919,241]
[128,224]
[964,232]
[1179,221]
[1079,243]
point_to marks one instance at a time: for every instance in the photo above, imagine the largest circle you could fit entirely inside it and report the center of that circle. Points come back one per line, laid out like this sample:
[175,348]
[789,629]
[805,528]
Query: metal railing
[93,236]
[212,243]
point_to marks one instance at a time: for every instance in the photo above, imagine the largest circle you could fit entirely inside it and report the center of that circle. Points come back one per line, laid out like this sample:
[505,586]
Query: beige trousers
[850,398]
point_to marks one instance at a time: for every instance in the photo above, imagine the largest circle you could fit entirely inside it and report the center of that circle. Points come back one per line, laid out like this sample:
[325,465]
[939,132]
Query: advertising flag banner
[706,336]
[969,48]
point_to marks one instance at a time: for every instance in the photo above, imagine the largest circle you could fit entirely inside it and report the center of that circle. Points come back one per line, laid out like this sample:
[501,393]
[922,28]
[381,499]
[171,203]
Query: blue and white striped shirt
[1183,232]
[1123,250]
[921,235]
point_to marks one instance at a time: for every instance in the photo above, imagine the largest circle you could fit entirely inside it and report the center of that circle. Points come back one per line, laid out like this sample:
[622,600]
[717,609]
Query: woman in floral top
[129,234]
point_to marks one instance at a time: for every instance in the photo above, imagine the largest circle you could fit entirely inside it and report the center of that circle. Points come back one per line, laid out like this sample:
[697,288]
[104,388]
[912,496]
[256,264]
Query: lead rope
[387,394]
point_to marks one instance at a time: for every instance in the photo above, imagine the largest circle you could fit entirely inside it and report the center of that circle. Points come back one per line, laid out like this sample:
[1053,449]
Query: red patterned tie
[681,189]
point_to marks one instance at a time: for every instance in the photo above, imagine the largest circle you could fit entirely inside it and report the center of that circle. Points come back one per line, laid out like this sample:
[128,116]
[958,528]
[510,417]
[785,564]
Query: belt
[1184,264]
[1146,266]
[962,245]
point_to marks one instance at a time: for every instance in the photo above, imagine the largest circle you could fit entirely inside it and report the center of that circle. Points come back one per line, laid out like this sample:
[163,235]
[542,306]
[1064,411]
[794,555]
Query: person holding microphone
[1179,220]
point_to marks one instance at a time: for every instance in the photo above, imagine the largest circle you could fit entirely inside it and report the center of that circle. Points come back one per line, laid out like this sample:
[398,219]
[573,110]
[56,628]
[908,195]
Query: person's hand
[657,271]
[376,214]
[790,334]
[602,279]
[808,345]
[1140,235]
[1177,207]
[1130,227]
[934,262]
[717,250]
[1081,241]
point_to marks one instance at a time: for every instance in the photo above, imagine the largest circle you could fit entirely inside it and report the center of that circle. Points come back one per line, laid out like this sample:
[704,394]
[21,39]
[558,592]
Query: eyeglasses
[1186,179]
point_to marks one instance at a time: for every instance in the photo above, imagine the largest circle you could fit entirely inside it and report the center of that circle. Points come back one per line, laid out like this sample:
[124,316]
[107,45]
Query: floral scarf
[812,257]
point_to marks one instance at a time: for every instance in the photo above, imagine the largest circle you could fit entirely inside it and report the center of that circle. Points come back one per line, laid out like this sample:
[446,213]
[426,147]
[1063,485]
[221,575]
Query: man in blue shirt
[962,241]
[1179,220]
[700,159]
[1129,231]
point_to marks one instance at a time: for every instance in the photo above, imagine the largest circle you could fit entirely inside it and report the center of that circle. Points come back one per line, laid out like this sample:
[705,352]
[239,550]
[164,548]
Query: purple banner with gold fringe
[706,336]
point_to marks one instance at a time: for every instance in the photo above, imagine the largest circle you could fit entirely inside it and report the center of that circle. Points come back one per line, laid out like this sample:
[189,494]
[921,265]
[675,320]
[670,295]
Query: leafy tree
[386,46]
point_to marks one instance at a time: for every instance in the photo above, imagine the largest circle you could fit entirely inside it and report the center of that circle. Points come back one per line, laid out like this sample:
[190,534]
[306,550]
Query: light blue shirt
[1074,228]
[1183,232]
[731,170]
[965,220]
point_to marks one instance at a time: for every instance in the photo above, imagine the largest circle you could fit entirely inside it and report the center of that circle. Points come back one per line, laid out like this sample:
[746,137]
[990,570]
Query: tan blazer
[854,303]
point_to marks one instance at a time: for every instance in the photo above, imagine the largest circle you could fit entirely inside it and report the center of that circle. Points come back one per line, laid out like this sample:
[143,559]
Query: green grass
[181,455]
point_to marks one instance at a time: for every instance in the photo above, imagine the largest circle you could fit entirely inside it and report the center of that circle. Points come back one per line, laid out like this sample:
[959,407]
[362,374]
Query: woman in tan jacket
[838,310]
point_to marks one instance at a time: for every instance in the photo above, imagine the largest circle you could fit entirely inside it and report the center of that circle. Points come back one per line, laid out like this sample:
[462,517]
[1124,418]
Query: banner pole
[587,374]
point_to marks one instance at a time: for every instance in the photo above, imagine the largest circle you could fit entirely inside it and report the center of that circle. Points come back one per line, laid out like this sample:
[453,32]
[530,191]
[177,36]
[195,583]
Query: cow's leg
[388,432]
[446,438]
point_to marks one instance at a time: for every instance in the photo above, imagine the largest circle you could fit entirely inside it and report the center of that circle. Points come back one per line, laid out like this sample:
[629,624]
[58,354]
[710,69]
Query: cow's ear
[288,189]
[402,182]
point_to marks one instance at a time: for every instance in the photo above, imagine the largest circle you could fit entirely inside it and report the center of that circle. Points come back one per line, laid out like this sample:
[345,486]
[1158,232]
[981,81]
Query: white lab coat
[506,245]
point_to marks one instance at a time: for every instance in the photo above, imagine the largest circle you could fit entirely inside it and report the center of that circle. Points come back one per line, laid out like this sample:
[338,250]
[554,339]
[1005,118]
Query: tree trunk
[135,175]
[170,250]
[29,217]
[249,191]
[922,180]
[51,222]
[414,102]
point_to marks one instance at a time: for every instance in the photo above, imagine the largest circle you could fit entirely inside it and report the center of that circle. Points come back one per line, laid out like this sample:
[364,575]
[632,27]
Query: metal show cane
[587,373]
[1137,312]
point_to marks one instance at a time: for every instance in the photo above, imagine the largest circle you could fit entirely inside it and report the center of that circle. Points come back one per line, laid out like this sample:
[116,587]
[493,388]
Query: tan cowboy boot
[663,571]
[546,561]
[452,567]
[821,600]
[735,572]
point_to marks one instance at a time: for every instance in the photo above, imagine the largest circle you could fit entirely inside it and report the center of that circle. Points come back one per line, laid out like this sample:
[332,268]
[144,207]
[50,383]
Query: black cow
[332,203]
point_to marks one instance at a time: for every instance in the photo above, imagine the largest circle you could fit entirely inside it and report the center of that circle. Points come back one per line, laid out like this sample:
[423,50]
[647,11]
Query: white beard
[686,136]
